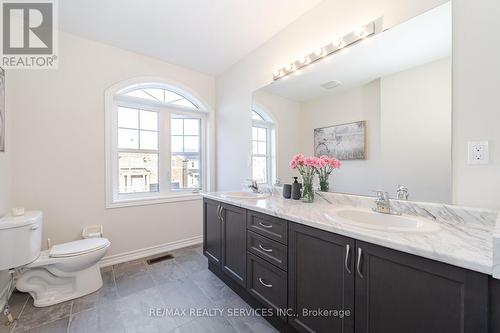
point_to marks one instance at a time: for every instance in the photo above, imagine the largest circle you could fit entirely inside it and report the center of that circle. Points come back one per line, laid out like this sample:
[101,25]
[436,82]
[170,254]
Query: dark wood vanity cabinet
[398,292]
[331,283]
[385,291]
[224,241]
[320,277]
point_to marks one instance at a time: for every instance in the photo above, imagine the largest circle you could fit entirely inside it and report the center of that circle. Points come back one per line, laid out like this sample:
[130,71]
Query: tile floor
[130,290]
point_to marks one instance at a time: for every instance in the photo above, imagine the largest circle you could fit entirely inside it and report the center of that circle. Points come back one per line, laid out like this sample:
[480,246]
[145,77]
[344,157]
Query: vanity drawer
[267,283]
[267,249]
[271,227]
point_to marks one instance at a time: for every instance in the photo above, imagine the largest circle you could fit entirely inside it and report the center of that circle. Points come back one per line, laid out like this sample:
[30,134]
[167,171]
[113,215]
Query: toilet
[63,272]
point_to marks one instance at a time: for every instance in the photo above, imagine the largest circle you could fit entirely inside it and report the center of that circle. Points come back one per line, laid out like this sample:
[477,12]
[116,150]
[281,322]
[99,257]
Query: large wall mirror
[383,106]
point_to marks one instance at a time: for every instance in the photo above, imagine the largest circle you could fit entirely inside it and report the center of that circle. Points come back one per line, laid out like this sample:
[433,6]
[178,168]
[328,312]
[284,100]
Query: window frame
[115,100]
[269,125]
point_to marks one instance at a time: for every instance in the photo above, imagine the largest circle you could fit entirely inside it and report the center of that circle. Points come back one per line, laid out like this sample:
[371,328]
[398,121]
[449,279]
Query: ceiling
[204,35]
[423,39]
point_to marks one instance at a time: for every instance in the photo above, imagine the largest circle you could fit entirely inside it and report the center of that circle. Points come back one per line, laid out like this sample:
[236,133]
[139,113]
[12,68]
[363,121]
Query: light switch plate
[479,152]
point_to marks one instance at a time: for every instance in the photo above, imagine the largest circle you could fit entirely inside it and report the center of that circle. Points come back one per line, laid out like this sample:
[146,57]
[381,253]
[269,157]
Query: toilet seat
[79,247]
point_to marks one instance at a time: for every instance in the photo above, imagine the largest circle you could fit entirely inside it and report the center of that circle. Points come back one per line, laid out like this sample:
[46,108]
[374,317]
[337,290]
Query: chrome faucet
[383,204]
[402,192]
[254,186]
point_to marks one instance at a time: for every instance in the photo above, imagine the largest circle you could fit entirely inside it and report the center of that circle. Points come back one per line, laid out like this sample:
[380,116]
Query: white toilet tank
[20,239]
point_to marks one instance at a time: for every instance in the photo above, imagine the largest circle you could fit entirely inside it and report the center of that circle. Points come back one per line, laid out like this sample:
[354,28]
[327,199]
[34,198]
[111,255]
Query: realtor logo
[28,34]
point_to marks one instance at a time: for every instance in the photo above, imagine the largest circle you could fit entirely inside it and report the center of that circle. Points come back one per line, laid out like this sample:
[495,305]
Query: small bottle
[287,191]
[296,188]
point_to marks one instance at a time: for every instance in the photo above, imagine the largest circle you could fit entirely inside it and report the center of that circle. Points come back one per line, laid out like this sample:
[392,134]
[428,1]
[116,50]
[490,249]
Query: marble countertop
[465,237]
[496,249]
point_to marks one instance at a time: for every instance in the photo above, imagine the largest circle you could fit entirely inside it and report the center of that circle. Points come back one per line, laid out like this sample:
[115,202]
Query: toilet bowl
[64,272]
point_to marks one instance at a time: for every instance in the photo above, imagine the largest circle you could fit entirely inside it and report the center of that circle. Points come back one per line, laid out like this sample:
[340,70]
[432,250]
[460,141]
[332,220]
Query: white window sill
[120,203]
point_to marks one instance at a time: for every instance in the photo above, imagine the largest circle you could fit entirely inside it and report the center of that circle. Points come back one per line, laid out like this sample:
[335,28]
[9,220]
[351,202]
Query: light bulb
[339,43]
[360,32]
[319,52]
[290,68]
[304,60]
[277,73]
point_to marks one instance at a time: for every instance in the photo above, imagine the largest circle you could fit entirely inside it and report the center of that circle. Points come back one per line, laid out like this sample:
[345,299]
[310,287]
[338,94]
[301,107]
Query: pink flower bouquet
[307,167]
[327,166]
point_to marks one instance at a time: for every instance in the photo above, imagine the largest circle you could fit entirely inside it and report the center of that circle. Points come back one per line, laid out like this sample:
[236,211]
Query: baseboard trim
[149,251]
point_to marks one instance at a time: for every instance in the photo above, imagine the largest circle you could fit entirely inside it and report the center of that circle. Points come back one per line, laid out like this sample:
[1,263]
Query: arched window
[155,142]
[263,147]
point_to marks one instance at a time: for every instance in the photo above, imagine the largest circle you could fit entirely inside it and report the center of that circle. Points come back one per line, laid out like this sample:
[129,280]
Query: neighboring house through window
[155,142]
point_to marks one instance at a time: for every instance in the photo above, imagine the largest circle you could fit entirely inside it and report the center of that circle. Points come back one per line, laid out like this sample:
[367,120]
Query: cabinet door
[212,231]
[234,243]
[398,292]
[320,276]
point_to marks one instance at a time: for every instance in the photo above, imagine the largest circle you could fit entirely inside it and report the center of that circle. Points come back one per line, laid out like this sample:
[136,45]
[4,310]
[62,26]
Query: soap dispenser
[296,188]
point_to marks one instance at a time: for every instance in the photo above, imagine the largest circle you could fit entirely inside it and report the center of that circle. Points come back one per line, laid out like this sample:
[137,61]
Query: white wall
[5,178]
[56,144]
[360,103]
[5,166]
[476,103]
[5,196]
[475,81]
[416,131]
[287,116]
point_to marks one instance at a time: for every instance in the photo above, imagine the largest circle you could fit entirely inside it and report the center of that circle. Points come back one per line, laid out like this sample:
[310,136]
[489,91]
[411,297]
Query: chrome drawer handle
[358,266]
[265,284]
[264,249]
[265,225]
[35,227]
[346,262]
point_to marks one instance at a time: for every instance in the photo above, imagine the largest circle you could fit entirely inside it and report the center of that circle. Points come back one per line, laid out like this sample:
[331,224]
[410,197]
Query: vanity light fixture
[333,47]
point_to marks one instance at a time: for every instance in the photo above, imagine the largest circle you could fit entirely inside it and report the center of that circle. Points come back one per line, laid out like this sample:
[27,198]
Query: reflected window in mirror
[263,164]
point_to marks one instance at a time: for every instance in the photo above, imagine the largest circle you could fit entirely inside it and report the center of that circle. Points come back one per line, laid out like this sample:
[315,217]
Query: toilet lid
[78,247]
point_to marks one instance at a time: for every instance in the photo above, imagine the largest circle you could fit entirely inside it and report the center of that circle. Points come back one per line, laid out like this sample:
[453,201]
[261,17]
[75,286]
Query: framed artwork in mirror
[344,142]
[2,110]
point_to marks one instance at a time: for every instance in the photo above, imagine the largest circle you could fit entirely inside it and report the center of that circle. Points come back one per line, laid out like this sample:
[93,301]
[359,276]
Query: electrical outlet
[478,152]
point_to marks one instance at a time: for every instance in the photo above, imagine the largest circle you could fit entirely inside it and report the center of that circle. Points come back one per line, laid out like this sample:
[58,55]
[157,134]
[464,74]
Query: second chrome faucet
[383,204]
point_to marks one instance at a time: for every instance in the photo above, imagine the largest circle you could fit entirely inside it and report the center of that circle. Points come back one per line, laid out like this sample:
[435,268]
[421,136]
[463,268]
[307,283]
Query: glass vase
[307,188]
[324,184]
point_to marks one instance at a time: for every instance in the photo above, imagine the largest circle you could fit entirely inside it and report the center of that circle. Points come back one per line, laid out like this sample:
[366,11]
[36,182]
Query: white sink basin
[246,195]
[383,222]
